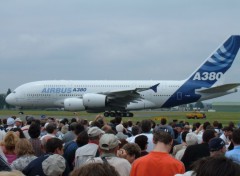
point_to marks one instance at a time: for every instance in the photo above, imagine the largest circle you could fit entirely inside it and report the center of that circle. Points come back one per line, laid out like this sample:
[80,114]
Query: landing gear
[118,114]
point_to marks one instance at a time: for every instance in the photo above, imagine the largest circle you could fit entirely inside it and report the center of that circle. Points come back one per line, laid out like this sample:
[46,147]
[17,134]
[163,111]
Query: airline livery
[120,97]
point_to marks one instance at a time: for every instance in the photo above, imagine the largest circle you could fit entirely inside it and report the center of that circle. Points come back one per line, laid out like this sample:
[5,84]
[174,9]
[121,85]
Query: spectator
[34,133]
[71,146]
[89,150]
[158,161]
[217,147]
[135,131]
[130,152]
[234,154]
[52,163]
[142,142]
[24,153]
[226,136]
[120,129]
[51,129]
[18,123]
[195,152]
[95,169]
[146,126]
[10,123]
[183,145]
[70,135]
[25,128]
[108,144]
[8,146]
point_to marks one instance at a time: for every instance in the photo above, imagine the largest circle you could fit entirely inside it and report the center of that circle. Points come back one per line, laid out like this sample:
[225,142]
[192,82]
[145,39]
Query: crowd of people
[47,146]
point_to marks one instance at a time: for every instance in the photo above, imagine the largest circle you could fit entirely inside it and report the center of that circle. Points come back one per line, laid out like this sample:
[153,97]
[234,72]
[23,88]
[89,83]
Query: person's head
[205,125]
[119,128]
[207,135]
[95,169]
[54,165]
[18,132]
[54,145]
[215,124]
[219,165]
[163,121]
[82,138]
[133,151]
[10,121]
[94,133]
[135,130]
[78,128]
[191,139]
[10,141]
[184,134]
[109,143]
[228,131]
[142,141]
[34,130]
[146,126]
[51,128]
[18,122]
[162,137]
[236,137]
[217,146]
[24,147]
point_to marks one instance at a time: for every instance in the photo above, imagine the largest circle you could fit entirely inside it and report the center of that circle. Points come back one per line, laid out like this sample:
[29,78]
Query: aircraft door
[179,96]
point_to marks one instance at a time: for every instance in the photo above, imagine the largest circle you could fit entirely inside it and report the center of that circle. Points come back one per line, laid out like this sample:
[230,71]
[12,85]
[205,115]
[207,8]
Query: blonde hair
[10,141]
[12,173]
[24,147]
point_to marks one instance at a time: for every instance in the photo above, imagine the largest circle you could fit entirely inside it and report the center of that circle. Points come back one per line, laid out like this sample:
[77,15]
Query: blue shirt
[234,154]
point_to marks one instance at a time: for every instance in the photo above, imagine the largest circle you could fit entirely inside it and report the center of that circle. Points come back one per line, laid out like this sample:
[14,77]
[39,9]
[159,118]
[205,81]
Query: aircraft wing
[221,88]
[124,97]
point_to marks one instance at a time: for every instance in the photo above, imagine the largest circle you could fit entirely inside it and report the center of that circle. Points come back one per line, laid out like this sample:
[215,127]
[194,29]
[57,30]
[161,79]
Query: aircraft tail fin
[215,66]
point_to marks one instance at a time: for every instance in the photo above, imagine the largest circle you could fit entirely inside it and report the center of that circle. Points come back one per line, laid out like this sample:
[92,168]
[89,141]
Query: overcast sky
[112,39]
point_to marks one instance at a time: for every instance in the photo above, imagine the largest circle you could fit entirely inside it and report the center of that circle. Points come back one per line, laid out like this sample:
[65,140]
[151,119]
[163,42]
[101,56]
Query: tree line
[3,103]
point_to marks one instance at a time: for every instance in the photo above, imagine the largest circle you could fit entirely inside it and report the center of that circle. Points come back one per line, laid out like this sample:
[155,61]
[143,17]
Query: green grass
[223,117]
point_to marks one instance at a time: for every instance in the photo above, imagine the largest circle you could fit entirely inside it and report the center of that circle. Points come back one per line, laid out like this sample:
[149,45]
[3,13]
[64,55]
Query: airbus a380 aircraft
[121,97]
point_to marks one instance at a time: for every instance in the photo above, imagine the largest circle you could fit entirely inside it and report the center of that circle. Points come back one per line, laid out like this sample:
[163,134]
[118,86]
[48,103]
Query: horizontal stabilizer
[217,89]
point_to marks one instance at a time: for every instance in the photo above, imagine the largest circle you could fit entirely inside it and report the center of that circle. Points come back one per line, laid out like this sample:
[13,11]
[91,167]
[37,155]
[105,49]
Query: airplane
[120,97]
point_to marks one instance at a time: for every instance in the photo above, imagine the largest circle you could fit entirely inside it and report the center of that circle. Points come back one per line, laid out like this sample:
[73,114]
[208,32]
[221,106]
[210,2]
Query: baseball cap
[54,165]
[108,141]
[94,131]
[216,144]
[10,121]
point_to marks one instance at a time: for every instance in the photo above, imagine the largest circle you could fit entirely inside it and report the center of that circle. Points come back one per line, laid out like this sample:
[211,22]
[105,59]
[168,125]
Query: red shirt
[155,164]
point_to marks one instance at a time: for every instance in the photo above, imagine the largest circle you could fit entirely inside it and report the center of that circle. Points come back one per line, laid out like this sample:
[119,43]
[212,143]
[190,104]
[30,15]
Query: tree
[2,101]
[199,105]
[8,106]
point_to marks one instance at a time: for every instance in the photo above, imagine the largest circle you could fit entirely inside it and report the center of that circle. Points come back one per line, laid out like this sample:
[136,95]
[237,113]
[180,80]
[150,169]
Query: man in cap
[18,123]
[10,123]
[89,150]
[217,146]
[108,144]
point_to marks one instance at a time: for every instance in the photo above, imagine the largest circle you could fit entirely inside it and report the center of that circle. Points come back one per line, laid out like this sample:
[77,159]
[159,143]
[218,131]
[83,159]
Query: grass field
[223,117]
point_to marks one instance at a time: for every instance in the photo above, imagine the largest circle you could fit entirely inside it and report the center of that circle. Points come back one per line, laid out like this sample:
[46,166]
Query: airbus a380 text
[121,97]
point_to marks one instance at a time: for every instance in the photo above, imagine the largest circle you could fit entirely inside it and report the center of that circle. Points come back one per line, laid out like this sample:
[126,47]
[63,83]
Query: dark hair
[78,128]
[236,136]
[51,127]
[163,121]
[197,124]
[146,126]
[130,123]
[162,136]
[95,169]
[184,134]
[53,144]
[21,135]
[207,135]
[215,124]
[34,130]
[132,149]
[135,130]
[142,141]
[82,138]
[205,124]
[218,165]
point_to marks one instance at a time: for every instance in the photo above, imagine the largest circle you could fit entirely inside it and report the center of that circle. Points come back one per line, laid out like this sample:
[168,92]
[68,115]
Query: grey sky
[112,39]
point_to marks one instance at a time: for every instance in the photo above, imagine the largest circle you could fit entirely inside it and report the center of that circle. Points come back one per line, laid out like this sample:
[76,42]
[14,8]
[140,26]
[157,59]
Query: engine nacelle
[73,104]
[91,100]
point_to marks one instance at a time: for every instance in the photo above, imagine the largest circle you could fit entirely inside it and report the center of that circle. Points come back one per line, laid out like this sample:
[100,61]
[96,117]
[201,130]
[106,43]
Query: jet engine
[92,101]
[73,104]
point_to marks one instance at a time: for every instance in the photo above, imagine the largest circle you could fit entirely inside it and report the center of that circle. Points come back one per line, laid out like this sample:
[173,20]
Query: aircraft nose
[9,99]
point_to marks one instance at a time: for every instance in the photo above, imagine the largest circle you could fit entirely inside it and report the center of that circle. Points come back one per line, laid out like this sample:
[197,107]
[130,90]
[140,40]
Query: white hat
[10,121]
[54,165]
